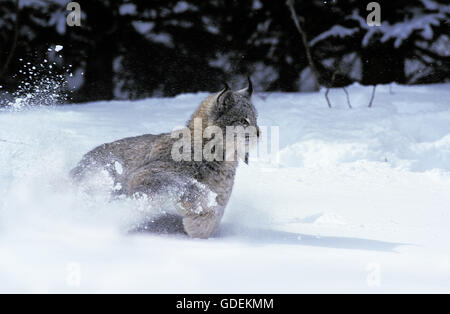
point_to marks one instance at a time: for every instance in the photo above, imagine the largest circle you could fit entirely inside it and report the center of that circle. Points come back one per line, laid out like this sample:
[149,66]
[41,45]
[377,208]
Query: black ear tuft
[225,98]
[250,87]
[248,91]
[225,101]
[227,88]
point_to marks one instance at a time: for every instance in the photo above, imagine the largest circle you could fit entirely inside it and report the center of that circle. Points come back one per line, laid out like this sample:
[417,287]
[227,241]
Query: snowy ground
[360,201]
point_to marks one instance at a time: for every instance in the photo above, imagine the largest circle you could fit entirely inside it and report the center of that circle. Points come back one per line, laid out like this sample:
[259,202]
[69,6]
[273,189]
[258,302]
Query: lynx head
[235,108]
[226,110]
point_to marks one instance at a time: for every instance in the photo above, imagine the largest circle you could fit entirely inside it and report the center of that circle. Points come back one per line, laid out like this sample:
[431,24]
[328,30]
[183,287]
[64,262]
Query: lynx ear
[226,88]
[248,92]
[225,98]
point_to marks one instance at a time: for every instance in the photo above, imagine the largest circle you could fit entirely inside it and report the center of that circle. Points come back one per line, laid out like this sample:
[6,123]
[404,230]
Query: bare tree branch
[372,97]
[337,69]
[348,97]
[333,77]
[326,97]
[304,36]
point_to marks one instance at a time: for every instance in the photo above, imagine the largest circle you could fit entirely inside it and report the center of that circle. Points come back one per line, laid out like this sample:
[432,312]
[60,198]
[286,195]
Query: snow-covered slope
[359,202]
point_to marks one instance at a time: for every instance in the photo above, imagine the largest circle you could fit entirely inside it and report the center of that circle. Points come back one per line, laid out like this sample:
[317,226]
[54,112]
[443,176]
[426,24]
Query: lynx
[199,190]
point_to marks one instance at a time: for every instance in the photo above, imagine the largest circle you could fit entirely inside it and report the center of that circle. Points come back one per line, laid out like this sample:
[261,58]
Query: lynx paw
[201,226]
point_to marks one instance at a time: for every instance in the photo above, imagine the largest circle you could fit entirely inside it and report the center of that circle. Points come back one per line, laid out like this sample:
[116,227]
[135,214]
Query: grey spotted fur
[147,165]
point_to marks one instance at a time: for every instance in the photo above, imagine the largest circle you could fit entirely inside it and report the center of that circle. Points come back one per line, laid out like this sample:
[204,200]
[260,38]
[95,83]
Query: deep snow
[359,201]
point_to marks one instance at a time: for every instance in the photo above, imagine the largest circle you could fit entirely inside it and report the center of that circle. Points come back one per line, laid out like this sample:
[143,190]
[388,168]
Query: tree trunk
[305,41]
[99,72]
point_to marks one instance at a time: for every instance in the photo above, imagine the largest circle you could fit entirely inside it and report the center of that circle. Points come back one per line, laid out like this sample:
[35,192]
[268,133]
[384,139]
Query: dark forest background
[142,48]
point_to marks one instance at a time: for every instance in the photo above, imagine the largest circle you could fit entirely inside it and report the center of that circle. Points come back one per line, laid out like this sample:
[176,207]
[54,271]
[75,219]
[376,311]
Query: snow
[127,8]
[182,7]
[335,31]
[419,22]
[359,201]
[399,31]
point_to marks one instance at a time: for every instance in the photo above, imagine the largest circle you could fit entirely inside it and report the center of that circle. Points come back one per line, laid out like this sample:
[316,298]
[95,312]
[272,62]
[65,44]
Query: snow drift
[359,201]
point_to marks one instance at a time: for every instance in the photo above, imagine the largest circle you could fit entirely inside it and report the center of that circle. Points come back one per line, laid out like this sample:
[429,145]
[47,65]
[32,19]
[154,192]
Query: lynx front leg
[200,211]
[201,226]
[199,221]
